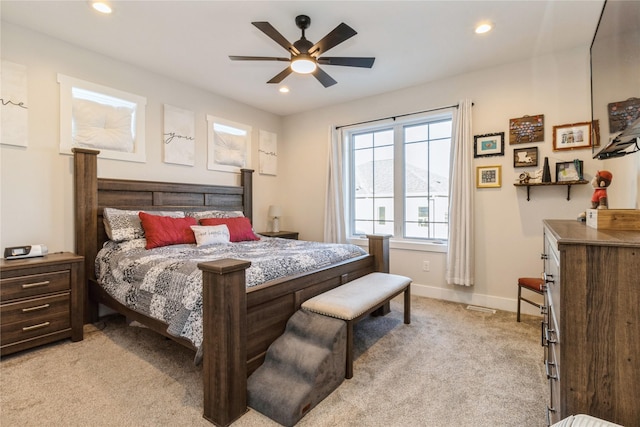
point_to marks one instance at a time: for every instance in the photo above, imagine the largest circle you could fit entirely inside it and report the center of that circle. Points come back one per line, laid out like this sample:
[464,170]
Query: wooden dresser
[41,301]
[591,327]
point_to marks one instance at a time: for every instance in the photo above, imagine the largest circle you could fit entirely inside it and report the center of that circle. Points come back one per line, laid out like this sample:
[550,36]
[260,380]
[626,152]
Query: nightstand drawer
[34,284]
[36,317]
[35,308]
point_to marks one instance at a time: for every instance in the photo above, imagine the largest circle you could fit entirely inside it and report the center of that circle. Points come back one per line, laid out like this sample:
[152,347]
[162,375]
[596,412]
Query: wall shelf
[568,184]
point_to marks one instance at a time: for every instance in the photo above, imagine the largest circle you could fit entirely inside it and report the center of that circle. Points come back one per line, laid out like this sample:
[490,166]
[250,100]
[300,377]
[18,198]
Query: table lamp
[275,212]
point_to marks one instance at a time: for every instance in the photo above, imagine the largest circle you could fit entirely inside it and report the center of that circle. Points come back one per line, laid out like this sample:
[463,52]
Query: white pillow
[210,234]
[121,225]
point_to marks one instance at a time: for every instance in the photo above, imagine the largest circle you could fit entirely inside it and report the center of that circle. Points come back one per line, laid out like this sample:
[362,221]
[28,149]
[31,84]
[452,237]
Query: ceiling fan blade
[339,34]
[347,61]
[324,78]
[280,77]
[257,58]
[270,31]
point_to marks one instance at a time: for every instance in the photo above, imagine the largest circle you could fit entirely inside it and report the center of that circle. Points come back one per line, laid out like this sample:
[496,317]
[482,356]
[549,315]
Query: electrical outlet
[425,266]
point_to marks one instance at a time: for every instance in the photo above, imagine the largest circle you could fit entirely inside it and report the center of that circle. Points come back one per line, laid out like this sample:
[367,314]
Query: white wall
[508,227]
[36,182]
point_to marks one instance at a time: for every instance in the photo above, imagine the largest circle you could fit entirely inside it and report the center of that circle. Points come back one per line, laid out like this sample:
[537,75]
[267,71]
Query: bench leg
[349,368]
[407,305]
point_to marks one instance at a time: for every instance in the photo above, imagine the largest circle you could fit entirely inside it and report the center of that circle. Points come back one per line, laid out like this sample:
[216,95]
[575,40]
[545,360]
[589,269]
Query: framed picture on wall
[527,129]
[488,176]
[491,144]
[523,157]
[572,136]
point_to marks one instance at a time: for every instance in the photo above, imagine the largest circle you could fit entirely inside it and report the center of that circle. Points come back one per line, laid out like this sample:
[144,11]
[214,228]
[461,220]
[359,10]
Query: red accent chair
[531,284]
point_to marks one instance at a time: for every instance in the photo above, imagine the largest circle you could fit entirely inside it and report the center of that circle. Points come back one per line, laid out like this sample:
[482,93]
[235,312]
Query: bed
[239,322]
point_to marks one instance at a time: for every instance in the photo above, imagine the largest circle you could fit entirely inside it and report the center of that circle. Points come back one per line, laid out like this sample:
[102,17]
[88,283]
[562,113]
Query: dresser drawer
[35,317]
[34,284]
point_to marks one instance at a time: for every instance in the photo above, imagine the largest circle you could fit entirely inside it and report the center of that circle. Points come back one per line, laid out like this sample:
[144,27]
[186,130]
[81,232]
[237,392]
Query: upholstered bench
[354,300]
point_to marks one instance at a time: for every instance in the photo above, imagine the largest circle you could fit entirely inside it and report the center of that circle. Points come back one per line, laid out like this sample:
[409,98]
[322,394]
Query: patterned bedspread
[166,284]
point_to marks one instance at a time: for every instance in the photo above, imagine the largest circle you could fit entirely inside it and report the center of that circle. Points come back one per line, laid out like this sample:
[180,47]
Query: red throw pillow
[239,228]
[164,231]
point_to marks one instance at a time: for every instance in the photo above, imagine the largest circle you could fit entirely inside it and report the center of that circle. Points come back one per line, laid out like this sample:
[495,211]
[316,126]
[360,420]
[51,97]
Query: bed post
[224,325]
[246,181]
[85,181]
[379,248]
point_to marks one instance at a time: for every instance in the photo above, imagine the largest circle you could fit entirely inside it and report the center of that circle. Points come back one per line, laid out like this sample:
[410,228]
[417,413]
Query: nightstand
[282,234]
[41,301]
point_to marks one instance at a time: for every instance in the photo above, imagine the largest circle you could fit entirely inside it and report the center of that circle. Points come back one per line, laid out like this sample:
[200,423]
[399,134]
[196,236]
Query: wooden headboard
[93,194]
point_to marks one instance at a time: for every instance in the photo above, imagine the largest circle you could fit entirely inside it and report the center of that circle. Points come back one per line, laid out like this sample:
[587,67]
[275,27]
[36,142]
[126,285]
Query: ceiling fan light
[303,65]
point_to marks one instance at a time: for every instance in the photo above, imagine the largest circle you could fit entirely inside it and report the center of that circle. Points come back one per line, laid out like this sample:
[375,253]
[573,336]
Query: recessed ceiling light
[283,89]
[101,7]
[484,28]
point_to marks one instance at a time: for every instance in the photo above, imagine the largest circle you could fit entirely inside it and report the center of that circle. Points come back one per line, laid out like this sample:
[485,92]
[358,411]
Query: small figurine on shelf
[600,182]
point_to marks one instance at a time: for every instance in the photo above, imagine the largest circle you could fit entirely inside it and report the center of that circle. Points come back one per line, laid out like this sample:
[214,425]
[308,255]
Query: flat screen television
[615,79]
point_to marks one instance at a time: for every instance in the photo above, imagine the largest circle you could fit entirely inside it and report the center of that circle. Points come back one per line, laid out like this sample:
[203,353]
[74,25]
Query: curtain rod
[400,115]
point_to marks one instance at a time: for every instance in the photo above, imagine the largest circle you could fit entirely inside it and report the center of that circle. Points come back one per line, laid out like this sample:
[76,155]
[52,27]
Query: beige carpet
[450,367]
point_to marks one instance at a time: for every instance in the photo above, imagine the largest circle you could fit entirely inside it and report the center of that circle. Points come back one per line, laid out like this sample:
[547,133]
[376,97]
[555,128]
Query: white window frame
[397,241]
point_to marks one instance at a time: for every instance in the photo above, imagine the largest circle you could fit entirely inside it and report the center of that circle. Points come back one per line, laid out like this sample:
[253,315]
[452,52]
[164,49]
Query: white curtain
[460,257]
[334,222]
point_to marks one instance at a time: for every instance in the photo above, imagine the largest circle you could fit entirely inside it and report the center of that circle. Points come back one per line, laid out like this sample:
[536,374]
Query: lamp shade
[275,211]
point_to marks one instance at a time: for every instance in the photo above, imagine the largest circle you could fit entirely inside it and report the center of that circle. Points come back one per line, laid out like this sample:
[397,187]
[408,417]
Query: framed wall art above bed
[98,117]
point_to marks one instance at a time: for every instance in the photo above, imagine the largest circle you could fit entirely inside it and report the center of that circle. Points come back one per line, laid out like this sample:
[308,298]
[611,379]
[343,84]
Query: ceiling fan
[306,56]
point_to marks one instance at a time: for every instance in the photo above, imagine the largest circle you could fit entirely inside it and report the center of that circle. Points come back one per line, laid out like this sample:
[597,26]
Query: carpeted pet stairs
[302,367]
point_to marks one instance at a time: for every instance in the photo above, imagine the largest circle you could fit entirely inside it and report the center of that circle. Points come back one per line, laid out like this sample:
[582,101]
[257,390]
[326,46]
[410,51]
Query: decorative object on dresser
[275,212]
[282,234]
[42,300]
[591,325]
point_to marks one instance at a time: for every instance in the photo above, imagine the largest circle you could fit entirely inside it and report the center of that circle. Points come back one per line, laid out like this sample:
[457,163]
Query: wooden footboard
[239,324]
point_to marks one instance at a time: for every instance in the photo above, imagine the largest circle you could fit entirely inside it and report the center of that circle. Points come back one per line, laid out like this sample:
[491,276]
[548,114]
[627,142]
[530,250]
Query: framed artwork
[622,114]
[569,171]
[488,176]
[179,136]
[268,153]
[523,157]
[228,145]
[102,118]
[526,129]
[572,136]
[15,108]
[491,144]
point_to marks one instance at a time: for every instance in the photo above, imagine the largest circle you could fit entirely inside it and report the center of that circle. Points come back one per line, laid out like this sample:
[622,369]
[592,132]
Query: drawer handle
[549,411]
[35,284]
[547,334]
[547,367]
[38,326]
[543,342]
[37,307]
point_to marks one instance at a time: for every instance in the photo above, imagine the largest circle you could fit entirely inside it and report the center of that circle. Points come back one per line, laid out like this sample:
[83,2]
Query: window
[399,179]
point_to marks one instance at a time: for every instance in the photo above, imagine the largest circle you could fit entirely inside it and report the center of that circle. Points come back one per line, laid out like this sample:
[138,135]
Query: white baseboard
[499,303]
